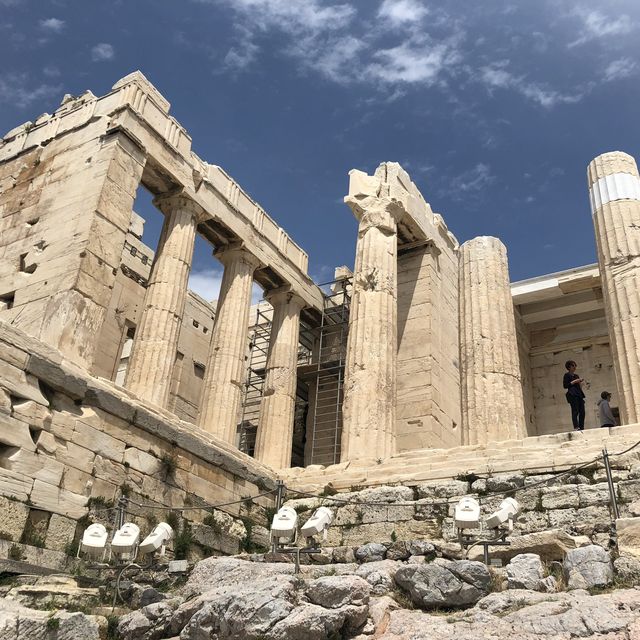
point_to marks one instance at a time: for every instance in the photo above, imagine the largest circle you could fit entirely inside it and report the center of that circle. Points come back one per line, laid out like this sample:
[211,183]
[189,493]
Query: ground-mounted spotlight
[467,514]
[125,541]
[318,523]
[157,539]
[94,542]
[284,528]
[506,514]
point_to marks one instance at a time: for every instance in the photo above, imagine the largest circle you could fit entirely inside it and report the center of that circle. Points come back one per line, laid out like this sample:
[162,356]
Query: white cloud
[496,76]
[596,24]
[402,12]
[51,71]
[17,89]
[618,69]
[471,181]
[102,51]
[53,25]
[206,283]
[242,55]
[412,62]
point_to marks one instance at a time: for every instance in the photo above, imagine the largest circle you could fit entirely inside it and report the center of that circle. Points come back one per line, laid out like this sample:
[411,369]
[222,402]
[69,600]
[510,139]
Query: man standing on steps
[572,382]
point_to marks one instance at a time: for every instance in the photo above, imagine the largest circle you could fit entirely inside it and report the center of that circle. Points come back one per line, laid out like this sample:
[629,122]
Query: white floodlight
[507,512]
[157,539]
[467,514]
[94,542]
[318,523]
[125,540]
[284,528]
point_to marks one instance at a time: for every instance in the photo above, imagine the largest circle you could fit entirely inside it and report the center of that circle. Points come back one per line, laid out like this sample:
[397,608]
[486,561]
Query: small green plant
[169,463]
[183,542]
[112,627]
[5,536]
[53,624]
[71,548]
[467,477]
[99,502]
[356,487]
[151,518]
[15,552]
[403,599]
[125,490]
[211,521]
[173,520]
[394,536]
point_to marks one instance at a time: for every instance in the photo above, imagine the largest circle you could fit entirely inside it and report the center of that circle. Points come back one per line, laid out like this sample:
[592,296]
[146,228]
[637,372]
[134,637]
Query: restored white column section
[277,408]
[156,340]
[614,189]
[225,373]
[371,368]
[492,399]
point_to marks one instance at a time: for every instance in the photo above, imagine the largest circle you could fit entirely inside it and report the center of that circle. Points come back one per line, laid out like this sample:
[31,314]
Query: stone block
[15,485]
[595,494]
[106,469]
[15,433]
[628,530]
[560,497]
[107,400]
[63,377]
[142,461]
[77,457]
[99,442]
[34,465]
[629,490]
[13,519]
[51,498]
[21,384]
[447,489]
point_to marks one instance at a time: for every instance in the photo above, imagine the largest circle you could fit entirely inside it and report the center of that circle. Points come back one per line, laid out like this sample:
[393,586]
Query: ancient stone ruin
[424,367]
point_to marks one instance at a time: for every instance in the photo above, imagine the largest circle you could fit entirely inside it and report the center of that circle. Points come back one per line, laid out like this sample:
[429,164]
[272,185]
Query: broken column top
[419,223]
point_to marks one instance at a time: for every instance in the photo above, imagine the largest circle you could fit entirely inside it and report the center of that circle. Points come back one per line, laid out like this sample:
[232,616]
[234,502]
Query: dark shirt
[572,389]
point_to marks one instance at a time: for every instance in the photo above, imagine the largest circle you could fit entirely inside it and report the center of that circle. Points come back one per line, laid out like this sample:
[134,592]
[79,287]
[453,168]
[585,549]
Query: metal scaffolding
[329,375]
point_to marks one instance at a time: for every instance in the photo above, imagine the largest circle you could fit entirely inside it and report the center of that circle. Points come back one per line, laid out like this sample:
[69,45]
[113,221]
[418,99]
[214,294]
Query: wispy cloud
[618,69]
[102,51]
[595,24]
[52,25]
[472,181]
[18,89]
[497,76]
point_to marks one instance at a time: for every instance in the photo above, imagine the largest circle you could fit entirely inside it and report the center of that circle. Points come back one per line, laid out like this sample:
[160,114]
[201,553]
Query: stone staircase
[537,454]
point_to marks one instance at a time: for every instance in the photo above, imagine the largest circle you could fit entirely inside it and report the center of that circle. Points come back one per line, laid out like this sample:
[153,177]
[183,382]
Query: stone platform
[537,454]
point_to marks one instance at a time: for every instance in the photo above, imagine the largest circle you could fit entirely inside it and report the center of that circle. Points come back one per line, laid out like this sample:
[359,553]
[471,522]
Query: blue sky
[494,107]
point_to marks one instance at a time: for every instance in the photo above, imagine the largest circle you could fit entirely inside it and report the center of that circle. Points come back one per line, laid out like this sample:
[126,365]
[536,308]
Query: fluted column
[614,188]
[225,374]
[371,368]
[492,398]
[156,339]
[277,408]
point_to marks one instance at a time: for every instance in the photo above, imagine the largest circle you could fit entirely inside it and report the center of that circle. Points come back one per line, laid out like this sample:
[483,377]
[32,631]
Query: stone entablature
[136,108]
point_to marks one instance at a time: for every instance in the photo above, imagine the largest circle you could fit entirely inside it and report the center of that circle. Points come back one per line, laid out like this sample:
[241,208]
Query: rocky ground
[401,591]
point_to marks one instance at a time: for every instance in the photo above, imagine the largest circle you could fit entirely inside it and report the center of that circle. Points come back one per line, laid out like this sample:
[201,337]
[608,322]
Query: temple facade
[424,344]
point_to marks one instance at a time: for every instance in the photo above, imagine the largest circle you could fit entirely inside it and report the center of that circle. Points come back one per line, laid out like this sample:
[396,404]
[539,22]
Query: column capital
[236,251]
[382,212]
[171,201]
[284,295]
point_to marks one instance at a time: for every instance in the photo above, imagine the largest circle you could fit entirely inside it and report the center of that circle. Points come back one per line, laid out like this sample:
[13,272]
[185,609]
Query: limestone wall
[577,504]
[428,387]
[69,442]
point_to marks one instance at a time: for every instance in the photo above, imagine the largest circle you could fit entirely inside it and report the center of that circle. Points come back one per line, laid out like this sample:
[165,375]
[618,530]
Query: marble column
[224,379]
[614,189]
[371,367]
[492,395]
[277,408]
[156,339]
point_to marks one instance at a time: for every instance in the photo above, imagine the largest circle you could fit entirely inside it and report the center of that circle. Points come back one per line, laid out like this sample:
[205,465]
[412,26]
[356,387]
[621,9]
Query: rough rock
[445,583]
[549,545]
[333,592]
[404,550]
[371,552]
[628,530]
[525,615]
[380,575]
[588,567]
[525,571]
[627,569]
